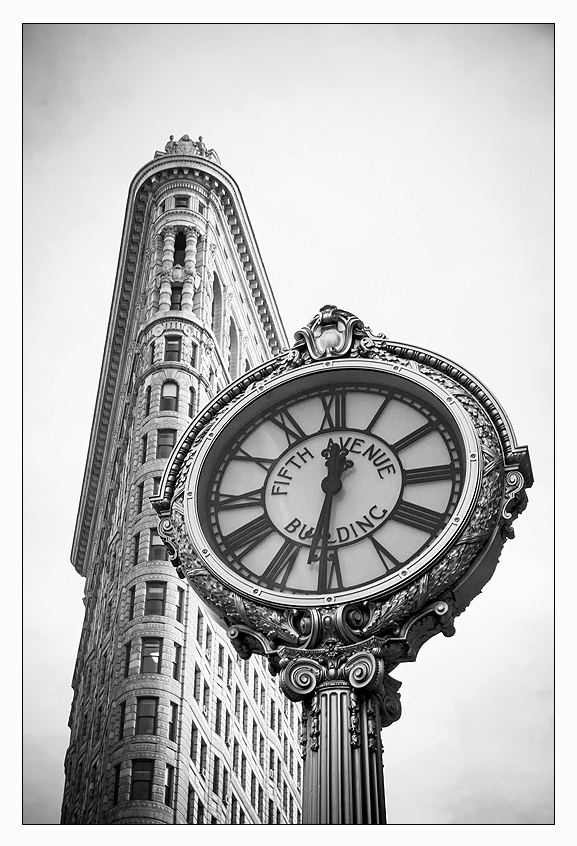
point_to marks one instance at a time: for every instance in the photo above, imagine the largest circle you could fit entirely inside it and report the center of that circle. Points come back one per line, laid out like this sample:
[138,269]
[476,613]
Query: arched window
[233,361]
[217,308]
[191,402]
[147,401]
[169,396]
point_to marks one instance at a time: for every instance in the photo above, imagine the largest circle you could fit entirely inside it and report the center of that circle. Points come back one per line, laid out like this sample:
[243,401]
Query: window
[151,353]
[243,770]
[272,716]
[270,812]
[172,348]
[176,295]
[237,701]
[155,486]
[131,600]
[206,697]
[162,207]
[224,784]
[200,627]
[165,442]
[241,817]
[291,762]
[179,604]
[181,202]
[135,549]
[260,802]
[191,401]
[233,351]
[235,756]
[190,806]
[146,715]
[255,688]
[221,657]
[254,736]
[193,355]
[180,244]
[217,304]
[151,659]
[147,397]
[244,717]
[246,670]
[229,672]
[203,753]
[121,719]
[201,208]
[197,682]
[141,782]
[200,813]
[172,723]
[127,650]
[261,750]
[218,716]
[216,775]
[155,598]
[139,497]
[233,810]
[169,396]
[168,784]
[176,661]
[227,727]
[193,741]
[143,448]
[116,784]
[253,790]
[208,643]
[213,820]
[158,551]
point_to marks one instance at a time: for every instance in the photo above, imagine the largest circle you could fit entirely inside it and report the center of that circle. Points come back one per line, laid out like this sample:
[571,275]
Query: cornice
[222,187]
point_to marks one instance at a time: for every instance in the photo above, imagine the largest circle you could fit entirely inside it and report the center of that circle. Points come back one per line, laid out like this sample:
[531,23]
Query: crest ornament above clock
[352,487]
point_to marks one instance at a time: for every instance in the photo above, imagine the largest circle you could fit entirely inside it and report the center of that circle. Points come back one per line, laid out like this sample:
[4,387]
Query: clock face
[336,483]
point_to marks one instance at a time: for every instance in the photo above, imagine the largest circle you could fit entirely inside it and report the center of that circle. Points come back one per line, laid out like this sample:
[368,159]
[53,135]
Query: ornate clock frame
[336,657]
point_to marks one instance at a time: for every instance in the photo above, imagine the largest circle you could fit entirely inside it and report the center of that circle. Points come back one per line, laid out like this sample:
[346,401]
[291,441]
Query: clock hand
[336,463]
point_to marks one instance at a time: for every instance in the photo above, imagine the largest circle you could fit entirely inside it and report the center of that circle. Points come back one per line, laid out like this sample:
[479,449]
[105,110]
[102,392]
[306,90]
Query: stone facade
[168,725]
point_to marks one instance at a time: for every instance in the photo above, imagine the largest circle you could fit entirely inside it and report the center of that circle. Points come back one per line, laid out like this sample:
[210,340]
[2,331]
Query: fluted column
[188,286]
[347,699]
[169,235]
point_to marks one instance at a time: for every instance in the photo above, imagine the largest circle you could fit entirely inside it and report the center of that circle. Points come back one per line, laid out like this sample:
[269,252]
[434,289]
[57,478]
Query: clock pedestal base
[347,700]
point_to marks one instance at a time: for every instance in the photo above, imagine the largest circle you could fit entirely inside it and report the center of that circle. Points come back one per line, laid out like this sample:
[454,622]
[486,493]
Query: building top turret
[187,147]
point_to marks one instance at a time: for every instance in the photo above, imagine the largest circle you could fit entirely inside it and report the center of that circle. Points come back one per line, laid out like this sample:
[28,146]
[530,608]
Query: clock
[341,481]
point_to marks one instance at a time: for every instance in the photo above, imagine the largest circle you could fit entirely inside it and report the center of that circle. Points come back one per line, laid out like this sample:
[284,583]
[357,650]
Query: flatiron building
[168,726]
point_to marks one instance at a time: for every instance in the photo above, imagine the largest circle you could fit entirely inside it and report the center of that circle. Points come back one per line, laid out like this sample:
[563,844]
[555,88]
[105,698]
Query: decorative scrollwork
[362,670]
[300,678]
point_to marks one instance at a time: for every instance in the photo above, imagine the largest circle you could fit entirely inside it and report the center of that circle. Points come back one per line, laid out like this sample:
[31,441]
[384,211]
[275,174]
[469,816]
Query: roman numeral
[335,409]
[417,516]
[329,569]
[389,561]
[413,437]
[379,411]
[290,427]
[244,539]
[250,499]
[242,455]
[281,565]
[439,473]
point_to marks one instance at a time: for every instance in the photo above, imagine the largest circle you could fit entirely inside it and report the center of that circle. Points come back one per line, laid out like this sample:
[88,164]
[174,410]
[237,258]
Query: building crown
[187,147]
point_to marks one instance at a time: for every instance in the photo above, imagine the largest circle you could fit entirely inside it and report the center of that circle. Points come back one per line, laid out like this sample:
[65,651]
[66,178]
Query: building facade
[168,725]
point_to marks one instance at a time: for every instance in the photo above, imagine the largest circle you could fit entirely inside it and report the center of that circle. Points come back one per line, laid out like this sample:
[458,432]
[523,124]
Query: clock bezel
[258,400]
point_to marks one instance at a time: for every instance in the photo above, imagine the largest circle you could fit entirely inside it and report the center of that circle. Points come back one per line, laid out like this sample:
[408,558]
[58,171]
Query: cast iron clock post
[336,507]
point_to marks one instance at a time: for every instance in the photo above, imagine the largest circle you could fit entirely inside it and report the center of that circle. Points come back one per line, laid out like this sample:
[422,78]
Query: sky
[403,172]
